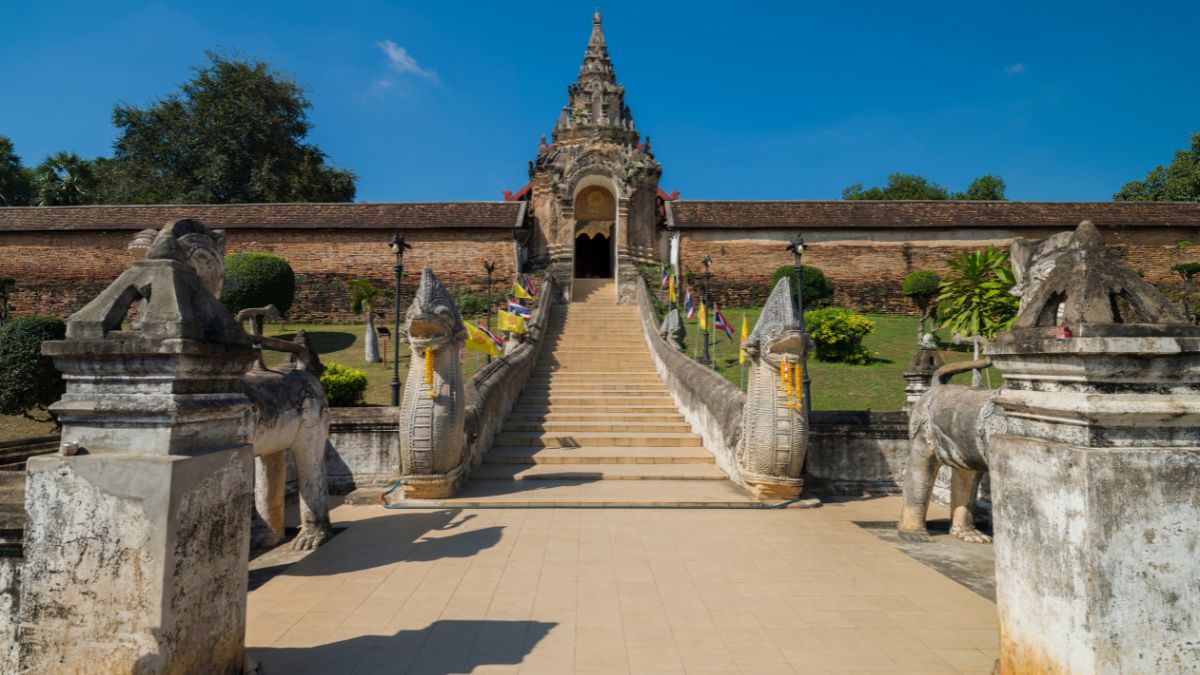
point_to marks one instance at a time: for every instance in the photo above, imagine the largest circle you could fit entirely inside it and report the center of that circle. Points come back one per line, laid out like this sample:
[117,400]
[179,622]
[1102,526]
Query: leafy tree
[15,189]
[233,133]
[905,186]
[973,298]
[28,380]
[365,297]
[987,187]
[259,279]
[899,186]
[1177,182]
[817,287]
[921,286]
[64,179]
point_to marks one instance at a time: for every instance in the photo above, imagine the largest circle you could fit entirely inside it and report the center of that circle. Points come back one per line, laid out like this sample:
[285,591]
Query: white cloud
[400,61]
[1015,69]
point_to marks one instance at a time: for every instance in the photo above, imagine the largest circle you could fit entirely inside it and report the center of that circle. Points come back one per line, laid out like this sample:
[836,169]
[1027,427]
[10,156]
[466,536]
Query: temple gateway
[592,207]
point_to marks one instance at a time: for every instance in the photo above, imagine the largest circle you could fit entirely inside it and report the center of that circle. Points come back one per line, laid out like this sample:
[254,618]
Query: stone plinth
[1095,490]
[919,374]
[138,532]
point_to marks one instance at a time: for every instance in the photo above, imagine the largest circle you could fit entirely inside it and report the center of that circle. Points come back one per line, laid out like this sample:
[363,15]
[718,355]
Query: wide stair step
[595,426]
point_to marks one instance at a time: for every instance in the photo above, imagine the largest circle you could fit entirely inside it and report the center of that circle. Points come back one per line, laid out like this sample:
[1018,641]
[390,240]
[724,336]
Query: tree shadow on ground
[325,341]
[396,537]
[441,648]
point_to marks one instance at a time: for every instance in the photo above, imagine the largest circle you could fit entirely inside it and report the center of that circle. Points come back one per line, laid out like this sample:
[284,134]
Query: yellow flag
[745,336]
[519,292]
[511,322]
[703,317]
[478,341]
[671,290]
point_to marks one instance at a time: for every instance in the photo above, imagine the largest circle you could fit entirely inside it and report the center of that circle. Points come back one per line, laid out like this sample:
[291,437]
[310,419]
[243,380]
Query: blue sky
[445,101]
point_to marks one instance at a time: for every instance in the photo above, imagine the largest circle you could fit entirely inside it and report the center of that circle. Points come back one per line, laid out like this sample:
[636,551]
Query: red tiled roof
[931,214]
[352,215]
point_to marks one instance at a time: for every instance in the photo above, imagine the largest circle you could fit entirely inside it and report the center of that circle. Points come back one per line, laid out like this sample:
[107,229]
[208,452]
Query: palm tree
[365,297]
[973,297]
[64,179]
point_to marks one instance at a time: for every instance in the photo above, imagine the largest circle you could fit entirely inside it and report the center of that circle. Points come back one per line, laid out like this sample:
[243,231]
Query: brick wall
[57,272]
[867,266]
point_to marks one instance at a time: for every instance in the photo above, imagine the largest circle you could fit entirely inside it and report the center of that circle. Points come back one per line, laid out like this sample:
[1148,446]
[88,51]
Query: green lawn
[343,343]
[838,386]
[14,426]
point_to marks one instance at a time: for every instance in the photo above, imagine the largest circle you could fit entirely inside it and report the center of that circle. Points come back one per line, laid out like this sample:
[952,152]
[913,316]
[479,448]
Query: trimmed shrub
[344,387]
[817,287]
[28,380]
[473,304]
[261,279]
[838,334]
[921,286]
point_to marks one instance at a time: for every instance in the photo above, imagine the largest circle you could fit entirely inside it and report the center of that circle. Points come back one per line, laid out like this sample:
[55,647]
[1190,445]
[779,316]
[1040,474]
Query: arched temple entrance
[595,231]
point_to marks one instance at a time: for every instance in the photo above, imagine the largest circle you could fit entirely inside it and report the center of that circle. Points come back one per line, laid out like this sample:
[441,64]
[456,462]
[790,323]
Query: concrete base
[771,491]
[1096,557]
[430,487]
[136,563]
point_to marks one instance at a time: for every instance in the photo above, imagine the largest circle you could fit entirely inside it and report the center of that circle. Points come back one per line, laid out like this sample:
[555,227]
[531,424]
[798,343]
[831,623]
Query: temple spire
[596,64]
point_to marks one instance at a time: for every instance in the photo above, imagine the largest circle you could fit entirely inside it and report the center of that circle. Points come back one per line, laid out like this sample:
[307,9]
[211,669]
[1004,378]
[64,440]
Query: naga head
[188,241]
[779,329]
[432,318]
[672,329]
[1033,261]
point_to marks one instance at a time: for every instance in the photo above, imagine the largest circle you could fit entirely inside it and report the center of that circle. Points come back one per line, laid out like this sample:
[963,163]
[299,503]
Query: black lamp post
[796,247]
[398,247]
[489,267]
[707,262]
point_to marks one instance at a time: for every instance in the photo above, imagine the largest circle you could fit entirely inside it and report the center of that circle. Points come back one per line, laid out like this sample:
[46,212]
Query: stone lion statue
[673,330]
[952,425]
[289,412]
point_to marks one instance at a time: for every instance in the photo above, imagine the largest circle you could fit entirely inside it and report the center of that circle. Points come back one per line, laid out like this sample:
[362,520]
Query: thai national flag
[719,322]
[519,310]
[665,276]
[528,285]
[499,343]
[688,305]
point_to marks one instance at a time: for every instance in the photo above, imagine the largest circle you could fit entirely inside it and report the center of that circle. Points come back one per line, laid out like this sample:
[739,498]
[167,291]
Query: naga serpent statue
[289,410]
[672,329]
[952,425]
[432,437]
[774,437]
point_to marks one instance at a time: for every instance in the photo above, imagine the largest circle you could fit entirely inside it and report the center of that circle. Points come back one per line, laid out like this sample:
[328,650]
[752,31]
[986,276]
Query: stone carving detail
[775,419]
[432,439]
[673,330]
[288,411]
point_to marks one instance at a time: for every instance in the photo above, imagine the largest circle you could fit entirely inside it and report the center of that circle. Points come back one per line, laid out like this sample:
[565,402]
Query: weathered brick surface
[692,215]
[868,266]
[58,272]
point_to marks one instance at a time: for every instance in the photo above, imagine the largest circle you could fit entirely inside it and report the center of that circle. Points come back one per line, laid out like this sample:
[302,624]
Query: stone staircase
[595,426]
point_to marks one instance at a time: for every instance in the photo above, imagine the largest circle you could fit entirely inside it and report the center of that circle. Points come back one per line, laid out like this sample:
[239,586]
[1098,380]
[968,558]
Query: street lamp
[489,267]
[707,261]
[399,246]
[796,247]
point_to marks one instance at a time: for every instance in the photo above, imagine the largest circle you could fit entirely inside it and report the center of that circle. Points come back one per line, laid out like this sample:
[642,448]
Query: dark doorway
[593,257]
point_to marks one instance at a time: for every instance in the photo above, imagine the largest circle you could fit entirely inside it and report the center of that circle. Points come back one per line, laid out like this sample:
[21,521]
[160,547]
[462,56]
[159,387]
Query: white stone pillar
[1096,481]
[138,532]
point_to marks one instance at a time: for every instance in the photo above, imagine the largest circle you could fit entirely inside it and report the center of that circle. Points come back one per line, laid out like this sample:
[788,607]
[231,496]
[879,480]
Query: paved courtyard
[617,591]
